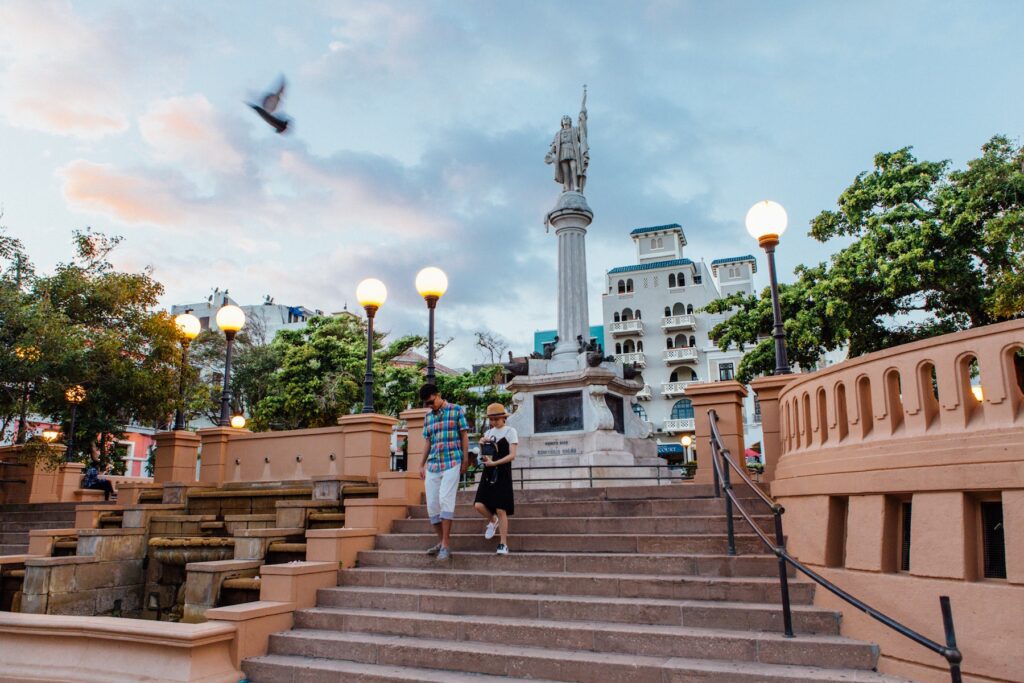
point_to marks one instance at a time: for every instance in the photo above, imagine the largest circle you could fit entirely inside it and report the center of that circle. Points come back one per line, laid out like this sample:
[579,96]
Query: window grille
[905,538]
[993,542]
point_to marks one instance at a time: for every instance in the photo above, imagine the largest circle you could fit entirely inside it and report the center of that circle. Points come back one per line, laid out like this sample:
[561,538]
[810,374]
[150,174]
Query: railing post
[954,658]
[715,458]
[590,472]
[780,542]
[727,486]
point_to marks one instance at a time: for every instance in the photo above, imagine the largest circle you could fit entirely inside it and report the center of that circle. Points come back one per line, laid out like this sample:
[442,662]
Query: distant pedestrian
[93,479]
[494,497]
[446,433]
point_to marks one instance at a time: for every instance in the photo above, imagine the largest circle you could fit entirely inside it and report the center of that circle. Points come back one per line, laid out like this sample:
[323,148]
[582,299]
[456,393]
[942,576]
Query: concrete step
[753,589]
[14,538]
[584,563]
[287,669]
[605,493]
[13,548]
[498,659]
[741,616]
[600,543]
[596,508]
[694,524]
[35,524]
[637,639]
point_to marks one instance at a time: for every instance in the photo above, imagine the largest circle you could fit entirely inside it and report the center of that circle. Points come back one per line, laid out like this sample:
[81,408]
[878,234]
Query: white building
[268,317]
[651,320]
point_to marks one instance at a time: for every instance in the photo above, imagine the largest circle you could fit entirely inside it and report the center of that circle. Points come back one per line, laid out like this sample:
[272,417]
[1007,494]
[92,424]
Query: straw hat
[496,410]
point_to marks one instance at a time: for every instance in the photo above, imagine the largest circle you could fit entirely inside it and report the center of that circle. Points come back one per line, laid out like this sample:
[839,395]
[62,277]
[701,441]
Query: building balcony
[686,354]
[645,393]
[679,322]
[681,425]
[627,327]
[674,388]
[636,359]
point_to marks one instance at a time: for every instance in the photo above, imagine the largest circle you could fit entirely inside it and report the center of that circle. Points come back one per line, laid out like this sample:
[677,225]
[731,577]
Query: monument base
[578,420]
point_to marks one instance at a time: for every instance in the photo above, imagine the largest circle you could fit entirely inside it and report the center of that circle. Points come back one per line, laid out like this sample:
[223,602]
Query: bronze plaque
[558,412]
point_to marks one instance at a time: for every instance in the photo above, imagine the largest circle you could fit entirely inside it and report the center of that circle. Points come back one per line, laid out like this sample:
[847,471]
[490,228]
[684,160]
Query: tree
[933,251]
[492,344]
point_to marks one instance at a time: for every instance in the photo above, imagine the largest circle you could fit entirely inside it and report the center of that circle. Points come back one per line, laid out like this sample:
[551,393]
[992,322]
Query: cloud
[188,130]
[126,197]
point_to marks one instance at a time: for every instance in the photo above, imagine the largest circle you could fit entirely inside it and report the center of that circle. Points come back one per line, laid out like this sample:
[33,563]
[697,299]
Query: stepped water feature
[604,584]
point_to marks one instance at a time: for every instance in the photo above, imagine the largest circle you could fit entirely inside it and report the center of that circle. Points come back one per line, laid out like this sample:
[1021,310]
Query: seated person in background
[93,479]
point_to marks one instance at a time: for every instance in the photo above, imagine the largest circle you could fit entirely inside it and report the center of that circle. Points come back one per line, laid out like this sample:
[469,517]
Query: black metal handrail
[675,474]
[723,483]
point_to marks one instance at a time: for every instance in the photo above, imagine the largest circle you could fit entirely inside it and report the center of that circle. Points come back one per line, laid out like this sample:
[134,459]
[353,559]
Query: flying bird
[269,105]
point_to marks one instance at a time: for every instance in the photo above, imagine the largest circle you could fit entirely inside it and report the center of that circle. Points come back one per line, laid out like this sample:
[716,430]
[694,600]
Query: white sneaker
[492,528]
[502,549]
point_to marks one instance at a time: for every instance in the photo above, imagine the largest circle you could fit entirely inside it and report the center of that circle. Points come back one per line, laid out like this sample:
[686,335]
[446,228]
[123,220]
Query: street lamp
[431,283]
[74,395]
[188,327]
[686,442]
[230,319]
[238,421]
[766,221]
[371,294]
[50,435]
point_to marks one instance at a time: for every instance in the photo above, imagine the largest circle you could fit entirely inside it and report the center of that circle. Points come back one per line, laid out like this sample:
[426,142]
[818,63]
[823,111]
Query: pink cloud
[127,197]
[187,129]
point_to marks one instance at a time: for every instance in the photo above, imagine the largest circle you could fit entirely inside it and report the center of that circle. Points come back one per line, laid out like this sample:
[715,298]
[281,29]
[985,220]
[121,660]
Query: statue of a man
[570,153]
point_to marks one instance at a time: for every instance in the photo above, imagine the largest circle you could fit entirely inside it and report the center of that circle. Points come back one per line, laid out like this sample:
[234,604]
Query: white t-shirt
[499,433]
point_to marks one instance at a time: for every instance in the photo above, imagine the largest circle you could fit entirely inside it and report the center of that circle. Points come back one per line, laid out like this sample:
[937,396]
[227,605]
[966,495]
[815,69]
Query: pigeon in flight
[269,105]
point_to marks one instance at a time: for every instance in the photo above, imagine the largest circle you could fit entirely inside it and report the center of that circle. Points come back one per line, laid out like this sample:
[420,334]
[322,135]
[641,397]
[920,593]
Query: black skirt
[497,495]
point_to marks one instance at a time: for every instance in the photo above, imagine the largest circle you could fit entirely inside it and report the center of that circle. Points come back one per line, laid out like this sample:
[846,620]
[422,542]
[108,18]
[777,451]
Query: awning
[666,449]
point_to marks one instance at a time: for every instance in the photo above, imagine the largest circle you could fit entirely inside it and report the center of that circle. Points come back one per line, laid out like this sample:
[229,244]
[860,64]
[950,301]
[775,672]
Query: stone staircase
[616,584]
[17,520]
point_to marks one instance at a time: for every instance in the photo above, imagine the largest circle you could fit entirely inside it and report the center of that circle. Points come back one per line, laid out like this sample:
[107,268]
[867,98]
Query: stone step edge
[656,602]
[722,536]
[383,672]
[520,518]
[607,626]
[786,671]
[570,553]
[513,574]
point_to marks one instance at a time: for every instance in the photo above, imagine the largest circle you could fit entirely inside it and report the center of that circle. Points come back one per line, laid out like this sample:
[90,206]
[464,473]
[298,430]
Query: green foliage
[475,390]
[933,251]
[90,325]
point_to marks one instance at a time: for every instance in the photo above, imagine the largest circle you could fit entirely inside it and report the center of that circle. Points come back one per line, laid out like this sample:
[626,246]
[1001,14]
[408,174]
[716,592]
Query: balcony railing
[645,393]
[679,322]
[627,327]
[684,424]
[686,354]
[675,388]
[636,359]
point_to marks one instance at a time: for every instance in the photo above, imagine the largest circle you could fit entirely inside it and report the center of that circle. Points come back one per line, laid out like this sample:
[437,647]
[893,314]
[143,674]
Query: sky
[420,128]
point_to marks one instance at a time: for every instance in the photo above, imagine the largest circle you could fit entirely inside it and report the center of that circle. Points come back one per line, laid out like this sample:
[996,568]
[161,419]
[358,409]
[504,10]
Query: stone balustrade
[679,322]
[675,388]
[686,354]
[627,327]
[679,425]
[636,359]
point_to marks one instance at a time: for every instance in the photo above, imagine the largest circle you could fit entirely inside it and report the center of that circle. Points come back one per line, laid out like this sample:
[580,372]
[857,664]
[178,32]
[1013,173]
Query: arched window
[654,243]
[629,285]
[629,347]
[639,347]
[616,317]
[674,377]
[678,309]
[668,343]
[682,410]
[640,412]
[671,280]
[627,314]
[680,341]
[622,287]
[693,340]
[618,348]
[681,280]
[693,376]
[661,243]
[689,309]
[668,311]
[637,314]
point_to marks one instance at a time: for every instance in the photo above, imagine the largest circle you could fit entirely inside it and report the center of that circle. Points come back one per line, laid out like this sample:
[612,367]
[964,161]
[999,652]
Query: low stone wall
[886,462]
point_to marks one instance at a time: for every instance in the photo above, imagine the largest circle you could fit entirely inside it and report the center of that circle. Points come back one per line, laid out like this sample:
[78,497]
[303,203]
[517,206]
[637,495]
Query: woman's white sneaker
[492,527]
[502,549]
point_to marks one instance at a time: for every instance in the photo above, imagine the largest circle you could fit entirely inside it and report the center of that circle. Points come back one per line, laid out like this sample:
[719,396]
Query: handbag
[490,474]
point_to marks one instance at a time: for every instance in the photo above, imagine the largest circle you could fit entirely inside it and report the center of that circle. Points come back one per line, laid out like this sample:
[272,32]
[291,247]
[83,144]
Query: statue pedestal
[580,420]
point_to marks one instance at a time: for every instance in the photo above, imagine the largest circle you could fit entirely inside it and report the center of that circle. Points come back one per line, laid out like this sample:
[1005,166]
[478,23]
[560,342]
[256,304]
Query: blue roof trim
[651,266]
[733,259]
[656,228]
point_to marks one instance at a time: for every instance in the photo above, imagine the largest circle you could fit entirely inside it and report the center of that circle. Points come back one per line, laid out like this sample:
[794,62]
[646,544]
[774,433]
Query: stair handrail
[723,484]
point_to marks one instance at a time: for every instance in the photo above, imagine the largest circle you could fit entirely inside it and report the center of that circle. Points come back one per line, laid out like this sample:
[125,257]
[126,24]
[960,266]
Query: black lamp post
[766,221]
[188,326]
[371,294]
[431,283]
[230,319]
[75,395]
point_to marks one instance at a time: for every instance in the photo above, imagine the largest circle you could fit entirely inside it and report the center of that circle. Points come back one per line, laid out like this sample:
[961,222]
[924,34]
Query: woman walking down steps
[494,496]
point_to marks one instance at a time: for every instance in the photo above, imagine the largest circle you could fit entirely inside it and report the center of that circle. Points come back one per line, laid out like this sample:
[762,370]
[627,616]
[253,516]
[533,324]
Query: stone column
[768,390]
[175,458]
[570,219]
[367,445]
[726,399]
[414,425]
[215,453]
[69,480]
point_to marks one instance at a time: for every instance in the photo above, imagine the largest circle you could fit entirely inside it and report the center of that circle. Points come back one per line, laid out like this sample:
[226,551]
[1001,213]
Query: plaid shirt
[444,430]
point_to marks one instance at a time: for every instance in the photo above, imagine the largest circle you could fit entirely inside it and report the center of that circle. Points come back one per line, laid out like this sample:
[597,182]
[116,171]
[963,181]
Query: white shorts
[441,489]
